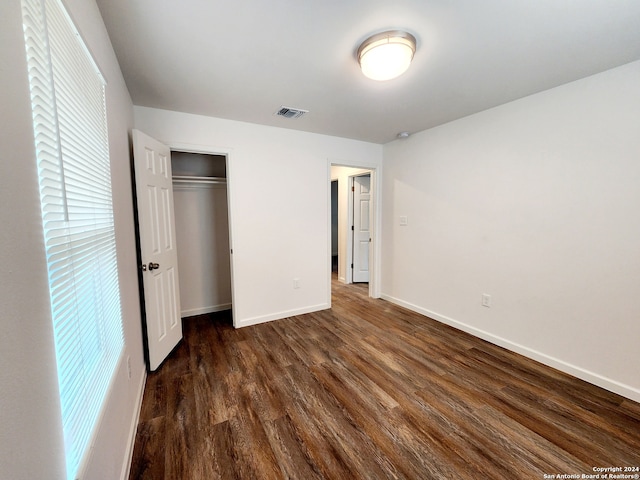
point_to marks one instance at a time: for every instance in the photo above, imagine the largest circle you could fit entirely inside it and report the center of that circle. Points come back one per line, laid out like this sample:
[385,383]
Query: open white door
[156,226]
[361,227]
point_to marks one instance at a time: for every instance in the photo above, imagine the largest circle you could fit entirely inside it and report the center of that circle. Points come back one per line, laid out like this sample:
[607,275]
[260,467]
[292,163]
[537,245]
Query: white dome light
[386,55]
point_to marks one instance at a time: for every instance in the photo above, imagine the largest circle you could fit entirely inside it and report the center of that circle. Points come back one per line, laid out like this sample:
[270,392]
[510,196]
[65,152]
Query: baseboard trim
[578,372]
[192,312]
[126,467]
[280,315]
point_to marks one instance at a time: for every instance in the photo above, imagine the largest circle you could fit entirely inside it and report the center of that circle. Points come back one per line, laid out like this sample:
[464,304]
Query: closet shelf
[193,179]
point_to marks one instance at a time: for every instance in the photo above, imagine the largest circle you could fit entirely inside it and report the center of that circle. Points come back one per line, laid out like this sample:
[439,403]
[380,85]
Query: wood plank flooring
[368,390]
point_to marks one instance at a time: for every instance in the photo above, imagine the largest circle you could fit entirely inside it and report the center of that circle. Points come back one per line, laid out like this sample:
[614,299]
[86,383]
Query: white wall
[535,203]
[31,444]
[278,183]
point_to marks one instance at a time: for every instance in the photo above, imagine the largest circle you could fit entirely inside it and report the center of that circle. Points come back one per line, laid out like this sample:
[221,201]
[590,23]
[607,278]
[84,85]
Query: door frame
[213,150]
[375,252]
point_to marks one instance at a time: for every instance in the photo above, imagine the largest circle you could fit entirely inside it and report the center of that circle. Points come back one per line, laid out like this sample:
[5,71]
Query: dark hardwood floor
[368,390]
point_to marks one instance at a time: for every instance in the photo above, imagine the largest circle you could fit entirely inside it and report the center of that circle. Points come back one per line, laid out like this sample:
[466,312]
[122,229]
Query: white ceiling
[243,59]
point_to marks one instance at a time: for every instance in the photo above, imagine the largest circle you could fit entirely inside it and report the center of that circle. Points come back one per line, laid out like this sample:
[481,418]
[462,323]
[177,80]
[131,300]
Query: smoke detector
[289,112]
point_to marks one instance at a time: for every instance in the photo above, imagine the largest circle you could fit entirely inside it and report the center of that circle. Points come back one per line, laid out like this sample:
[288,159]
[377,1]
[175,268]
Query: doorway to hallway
[353,220]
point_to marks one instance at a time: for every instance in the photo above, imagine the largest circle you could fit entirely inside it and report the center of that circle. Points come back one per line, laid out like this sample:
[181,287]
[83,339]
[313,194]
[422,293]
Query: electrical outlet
[296,283]
[404,221]
[129,366]
[486,300]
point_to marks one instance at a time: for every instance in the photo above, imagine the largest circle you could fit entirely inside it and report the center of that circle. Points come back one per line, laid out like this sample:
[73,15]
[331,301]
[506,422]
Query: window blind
[70,132]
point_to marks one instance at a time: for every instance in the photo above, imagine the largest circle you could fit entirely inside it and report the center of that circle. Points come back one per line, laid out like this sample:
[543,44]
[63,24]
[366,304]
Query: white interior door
[361,227]
[154,189]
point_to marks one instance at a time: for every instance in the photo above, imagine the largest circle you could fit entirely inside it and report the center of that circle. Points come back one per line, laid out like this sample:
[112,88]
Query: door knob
[153,266]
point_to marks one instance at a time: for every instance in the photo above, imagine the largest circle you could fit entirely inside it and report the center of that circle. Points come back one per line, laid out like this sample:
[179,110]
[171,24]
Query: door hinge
[352,265]
[352,228]
[353,189]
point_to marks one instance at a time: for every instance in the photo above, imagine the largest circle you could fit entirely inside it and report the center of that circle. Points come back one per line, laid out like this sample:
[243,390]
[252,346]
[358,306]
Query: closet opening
[202,232]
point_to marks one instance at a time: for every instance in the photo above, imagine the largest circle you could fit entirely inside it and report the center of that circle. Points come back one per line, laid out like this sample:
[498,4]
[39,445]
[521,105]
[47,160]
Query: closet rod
[196,179]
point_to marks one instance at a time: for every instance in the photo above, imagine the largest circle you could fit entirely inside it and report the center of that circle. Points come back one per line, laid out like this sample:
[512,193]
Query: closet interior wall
[202,232]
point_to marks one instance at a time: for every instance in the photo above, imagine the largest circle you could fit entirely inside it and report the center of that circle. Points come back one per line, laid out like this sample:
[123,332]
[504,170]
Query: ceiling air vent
[288,112]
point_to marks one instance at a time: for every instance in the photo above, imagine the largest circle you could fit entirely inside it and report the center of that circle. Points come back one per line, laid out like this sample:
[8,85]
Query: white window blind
[70,131]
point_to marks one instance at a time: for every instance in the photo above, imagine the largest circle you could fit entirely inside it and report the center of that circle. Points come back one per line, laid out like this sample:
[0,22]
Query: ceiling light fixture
[386,55]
